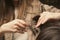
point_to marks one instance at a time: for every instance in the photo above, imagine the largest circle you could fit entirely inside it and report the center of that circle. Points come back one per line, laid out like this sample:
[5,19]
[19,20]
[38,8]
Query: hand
[45,16]
[14,26]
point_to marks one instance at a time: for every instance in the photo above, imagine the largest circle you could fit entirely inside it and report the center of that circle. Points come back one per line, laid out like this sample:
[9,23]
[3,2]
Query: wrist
[55,16]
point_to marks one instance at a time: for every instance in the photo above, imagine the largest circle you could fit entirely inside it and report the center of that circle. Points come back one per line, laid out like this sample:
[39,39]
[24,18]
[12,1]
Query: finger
[40,21]
[17,27]
[20,25]
[45,20]
[14,30]
[20,31]
[23,22]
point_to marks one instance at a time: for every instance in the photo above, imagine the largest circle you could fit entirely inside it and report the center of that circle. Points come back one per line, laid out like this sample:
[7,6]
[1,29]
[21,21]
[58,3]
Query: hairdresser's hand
[45,16]
[14,26]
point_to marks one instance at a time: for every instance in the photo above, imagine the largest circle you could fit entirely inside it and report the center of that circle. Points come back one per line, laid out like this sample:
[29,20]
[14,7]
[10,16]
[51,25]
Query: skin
[13,26]
[45,16]
[16,25]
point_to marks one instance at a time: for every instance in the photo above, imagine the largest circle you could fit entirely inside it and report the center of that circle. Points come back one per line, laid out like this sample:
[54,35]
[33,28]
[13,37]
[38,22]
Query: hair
[7,8]
[55,3]
[50,31]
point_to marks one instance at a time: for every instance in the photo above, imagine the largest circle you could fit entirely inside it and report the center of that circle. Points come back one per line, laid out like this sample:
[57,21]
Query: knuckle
[21,20]
[15,22]
[17,19]
[15,26]
[15,30]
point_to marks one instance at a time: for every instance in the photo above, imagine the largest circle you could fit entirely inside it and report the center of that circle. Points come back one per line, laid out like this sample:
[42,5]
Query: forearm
[58,15]
[51,15]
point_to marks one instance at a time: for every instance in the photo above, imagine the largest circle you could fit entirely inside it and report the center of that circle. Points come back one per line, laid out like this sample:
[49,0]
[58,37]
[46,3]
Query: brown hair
[23,4]
[7,9]
[50,30]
